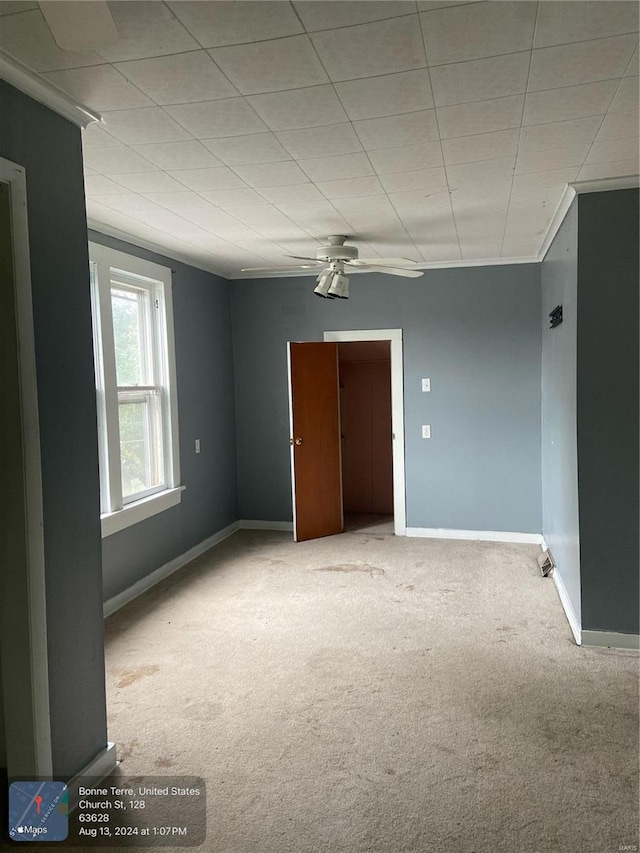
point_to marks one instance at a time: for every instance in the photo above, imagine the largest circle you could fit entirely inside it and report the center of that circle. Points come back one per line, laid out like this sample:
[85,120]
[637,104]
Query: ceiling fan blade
[81,25]
[303,258]
[383,262]
[395,271]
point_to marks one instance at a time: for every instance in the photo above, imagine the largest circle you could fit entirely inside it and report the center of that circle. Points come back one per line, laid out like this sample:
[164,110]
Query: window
[136,387]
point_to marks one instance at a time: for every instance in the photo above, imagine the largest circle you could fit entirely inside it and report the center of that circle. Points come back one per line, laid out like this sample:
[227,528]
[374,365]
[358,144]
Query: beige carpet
[372,693]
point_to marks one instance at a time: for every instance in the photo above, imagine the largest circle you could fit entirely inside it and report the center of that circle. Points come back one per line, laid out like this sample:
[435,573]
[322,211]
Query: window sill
[113,522]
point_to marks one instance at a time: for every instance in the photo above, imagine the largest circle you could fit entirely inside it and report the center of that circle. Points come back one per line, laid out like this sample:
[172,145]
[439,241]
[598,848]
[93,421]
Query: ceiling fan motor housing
[336,251]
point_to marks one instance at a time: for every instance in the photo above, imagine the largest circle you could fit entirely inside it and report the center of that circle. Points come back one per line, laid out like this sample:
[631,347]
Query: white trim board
[254,524]
[475,535]
[163,572]
[24,651]
[95,771]
[567,606]
[610,640]
[397,410]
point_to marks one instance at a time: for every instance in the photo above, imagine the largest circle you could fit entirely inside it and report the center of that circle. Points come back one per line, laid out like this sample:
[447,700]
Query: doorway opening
[364,370]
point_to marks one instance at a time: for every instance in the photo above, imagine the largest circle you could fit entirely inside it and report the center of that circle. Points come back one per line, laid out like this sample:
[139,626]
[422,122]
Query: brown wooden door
[315,436]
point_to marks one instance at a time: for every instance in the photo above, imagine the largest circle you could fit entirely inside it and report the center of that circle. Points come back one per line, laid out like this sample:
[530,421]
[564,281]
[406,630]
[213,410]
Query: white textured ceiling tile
[211,218]
[559,134]
[583,62]
[387,95]
[95,136]
[27,37]
[178,155]
[337,168]
[480,116]
[523,247]
[407,129]
[178,201]
[116,160]
[484,146]
[164,220]
[322,141]
[125,201]
[441,252]
[560,23]
[318,222]
[178,79]
[559,177]
[151,124]
[297,194]
[272,174]
[351,187]
[619,125]
[549,159]
[100,87]
[480,250]
[232,199]
[149,182]
[610,150]
[219,23]
[146,29]
[370,49]
[216,178]
[251,148]
[633,68]
[429,5]
[101,185]
[271,66]
[612,169]
[211,119]
[88,171]
[10,7]
[420,179]
[378,205]
[475,193]
[481,172]
[407,159]
[478,30]
[568,102]
[330,16]
[626,97]
[480,79]
[313,107]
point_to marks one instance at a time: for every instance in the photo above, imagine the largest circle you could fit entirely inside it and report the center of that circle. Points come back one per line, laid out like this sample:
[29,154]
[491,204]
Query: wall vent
[547,563]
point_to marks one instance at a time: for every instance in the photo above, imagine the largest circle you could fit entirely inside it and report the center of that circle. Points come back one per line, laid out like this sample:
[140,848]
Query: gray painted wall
[49,147]
[206,410]
[475,332]
[607,398]
[559,274]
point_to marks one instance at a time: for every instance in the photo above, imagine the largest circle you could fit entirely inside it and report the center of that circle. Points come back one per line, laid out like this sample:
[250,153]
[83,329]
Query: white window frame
[117,513]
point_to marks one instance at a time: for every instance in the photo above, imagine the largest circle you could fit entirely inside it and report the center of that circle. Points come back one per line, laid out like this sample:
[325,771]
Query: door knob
[298,441]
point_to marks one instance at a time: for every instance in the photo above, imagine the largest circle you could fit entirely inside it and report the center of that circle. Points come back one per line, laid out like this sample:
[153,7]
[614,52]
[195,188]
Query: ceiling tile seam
[576,118]
[524,102]
[595,138]
[361,24]
[446,173]
[337,94]
[125,80]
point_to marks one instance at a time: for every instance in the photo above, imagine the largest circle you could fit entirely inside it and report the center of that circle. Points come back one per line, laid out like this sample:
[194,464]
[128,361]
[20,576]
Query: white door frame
[24,652]
[397,411]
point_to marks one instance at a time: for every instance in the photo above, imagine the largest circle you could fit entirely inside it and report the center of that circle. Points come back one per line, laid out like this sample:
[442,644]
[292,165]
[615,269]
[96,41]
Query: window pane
[140,442]
[130,335]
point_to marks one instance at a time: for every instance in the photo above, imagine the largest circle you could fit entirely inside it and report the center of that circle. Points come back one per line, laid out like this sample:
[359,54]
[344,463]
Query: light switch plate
[426,385]
[426,430]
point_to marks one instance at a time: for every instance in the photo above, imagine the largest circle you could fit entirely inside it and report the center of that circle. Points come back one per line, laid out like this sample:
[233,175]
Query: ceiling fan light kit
[333,282]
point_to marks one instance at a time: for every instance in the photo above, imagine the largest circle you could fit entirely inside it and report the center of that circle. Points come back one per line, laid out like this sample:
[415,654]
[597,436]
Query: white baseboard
[610,640]
[252,524]
[96,770]
[567,606]
[169,568]
[475,535]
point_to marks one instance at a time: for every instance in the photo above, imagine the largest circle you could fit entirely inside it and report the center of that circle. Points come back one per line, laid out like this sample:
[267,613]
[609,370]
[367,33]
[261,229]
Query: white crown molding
[23,78]
[623,182]
[157,248]
[558,218]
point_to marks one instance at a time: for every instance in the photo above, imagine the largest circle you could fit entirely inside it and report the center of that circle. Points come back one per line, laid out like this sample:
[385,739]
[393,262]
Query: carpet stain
[127,750]
[164,762]
[130,676]
[354,567]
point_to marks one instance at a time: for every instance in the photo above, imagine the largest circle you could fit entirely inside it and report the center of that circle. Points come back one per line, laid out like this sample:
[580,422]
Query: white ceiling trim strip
[23,78]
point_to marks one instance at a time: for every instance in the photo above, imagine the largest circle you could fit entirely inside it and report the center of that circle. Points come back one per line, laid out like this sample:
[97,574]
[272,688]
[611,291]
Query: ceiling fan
[79,26]
[336,258]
